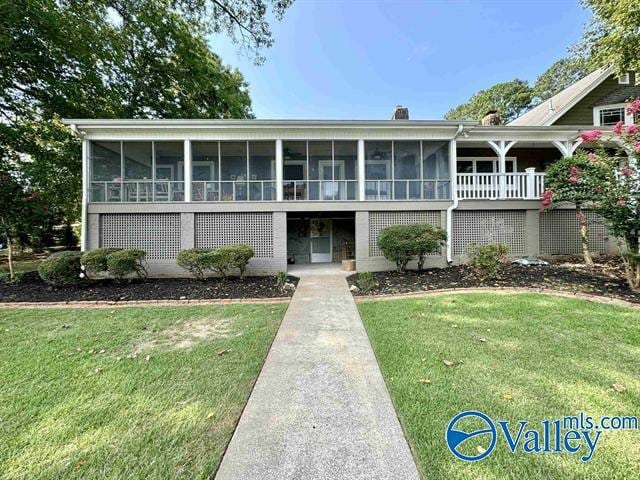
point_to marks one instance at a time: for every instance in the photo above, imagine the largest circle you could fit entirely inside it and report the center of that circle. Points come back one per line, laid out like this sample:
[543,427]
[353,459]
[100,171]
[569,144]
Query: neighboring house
[321,191]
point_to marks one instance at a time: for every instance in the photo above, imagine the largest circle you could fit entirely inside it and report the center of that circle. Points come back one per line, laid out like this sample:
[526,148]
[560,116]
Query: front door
[320,237]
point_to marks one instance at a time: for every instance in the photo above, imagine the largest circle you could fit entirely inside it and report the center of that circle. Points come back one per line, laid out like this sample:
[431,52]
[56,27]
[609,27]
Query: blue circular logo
[456,437]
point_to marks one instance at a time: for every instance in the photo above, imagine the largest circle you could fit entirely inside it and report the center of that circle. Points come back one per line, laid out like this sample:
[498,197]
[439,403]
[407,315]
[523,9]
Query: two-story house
[301,191]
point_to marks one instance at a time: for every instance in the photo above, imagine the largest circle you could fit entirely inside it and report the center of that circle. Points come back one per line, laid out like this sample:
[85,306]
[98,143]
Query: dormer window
[624,79]
[609,115]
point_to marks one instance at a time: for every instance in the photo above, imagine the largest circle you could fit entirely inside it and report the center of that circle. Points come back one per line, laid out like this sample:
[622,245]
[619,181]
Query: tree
[574,180]
[613,37]
[562,74]
[511,99]
[21,210]
[113,59]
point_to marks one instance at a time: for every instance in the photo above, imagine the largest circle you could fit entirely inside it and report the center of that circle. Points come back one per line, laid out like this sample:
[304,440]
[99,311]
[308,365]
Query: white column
[187,170]
[502,148]
[85,195]
[531,182]
[279,170]
[361,171]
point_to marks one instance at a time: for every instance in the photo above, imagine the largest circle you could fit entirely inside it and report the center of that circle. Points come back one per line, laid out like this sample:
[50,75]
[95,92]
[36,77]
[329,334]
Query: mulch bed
[606,278]
[32,289]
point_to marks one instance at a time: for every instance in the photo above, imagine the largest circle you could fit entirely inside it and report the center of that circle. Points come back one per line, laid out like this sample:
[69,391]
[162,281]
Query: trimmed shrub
[281,280]
[196,261]
[365,281]
[126,262]
[95,261]
[61,268]
[5,277]
[240,256]
[486,260]
[222,260]
[401,243]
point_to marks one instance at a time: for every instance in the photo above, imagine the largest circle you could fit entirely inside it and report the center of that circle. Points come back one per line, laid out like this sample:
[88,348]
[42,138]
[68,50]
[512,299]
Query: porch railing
[233,191]
[137,191]
[326,190]
[407,189]
[491,186]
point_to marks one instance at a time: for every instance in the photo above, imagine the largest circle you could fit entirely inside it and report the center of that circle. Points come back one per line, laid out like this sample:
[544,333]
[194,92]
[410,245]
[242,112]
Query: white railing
[137,191]
[326,190]
[233,191]
[491,186]
[407,189]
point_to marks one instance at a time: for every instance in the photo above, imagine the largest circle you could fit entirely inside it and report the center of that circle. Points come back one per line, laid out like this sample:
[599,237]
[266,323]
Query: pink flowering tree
[574,180]
[607,180]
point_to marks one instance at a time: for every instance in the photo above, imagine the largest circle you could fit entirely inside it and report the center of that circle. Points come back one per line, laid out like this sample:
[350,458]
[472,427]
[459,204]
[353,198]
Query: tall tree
[613,37]
[510,99]
[562,74]
[110,59]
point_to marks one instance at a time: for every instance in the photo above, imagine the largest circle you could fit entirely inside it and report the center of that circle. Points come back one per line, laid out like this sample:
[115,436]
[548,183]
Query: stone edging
[143,303]
[499,290]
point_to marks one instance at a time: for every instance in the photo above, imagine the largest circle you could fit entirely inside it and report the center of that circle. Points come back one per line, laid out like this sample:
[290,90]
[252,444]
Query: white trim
[628,118]
[624,79]
[84,245]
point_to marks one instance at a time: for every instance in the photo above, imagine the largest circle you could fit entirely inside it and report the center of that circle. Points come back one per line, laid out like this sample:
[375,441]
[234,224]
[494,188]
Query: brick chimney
[400,113]
[491,118]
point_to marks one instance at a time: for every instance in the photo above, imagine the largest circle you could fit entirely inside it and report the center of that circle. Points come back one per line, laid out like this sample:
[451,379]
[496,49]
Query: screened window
[138,160]
[611,116]
[106,161]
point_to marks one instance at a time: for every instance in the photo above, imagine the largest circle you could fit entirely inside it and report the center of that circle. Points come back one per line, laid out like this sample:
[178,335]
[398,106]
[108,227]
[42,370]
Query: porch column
[187,170]
[86,185]
[279,170]
[567,147]
[502,148]
[361,171]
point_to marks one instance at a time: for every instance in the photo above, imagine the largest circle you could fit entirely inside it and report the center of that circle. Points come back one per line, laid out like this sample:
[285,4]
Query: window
[608,115]
[105,164]
[611,116]
[484,165]
[624,79]
[169,171]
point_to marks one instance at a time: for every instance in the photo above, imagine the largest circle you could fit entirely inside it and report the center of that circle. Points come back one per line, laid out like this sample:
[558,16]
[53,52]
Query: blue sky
[357,59]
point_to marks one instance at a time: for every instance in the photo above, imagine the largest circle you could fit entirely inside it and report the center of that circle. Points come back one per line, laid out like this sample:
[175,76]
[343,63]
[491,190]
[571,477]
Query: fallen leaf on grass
[147,358]
[480,450]
[425,381]
[210,415]
[222,352]
[507,396]
[618,387]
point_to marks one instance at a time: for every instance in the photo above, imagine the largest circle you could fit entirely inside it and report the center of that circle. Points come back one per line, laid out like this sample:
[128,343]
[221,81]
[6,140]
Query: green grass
[543,357]
[21,266]
[77,402]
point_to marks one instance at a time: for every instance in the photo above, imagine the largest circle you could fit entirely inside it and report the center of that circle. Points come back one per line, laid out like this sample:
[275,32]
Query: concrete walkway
[320,408]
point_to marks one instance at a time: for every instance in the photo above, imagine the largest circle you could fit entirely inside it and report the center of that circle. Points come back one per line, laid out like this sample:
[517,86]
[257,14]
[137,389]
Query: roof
[552,109]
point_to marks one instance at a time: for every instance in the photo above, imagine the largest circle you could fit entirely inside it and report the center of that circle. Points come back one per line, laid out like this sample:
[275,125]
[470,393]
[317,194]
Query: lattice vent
[215,230]
[380,220]
[489,226]
[158,234]
[560,233]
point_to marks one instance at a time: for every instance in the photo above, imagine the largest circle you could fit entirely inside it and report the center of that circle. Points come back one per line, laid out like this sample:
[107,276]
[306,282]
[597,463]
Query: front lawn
[126,393]
[513,357]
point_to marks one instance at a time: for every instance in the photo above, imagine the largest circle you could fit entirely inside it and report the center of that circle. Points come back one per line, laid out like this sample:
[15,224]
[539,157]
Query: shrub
[486,260]
[222,260]
[365,281]
[62,268]
[196,261]
[127,262]
[239,256]
[401,243]
[281,280]
[95,261]
[5,277]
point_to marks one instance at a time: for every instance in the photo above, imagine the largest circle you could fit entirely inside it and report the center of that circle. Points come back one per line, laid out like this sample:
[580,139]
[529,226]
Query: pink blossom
[637,147]
[626,171]
[547,194]
[573,180]
[617,128]
[592,156]
[621,203]
[591,136]
[574,171]
[631,129]
[634,107]
[546,202]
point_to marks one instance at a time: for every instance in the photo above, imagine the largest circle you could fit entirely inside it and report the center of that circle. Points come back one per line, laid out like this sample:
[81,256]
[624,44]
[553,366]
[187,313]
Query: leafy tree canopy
[511,99]
[562,74]
[613,37]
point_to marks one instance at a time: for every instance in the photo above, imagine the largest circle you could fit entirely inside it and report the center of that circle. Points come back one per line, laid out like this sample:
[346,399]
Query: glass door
[320,238]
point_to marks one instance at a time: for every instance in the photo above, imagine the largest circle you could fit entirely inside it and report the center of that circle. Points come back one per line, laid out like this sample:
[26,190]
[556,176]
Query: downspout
[454,191]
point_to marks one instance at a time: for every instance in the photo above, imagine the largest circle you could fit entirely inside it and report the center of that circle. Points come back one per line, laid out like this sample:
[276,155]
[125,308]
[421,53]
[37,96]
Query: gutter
[454,192]
[84,216]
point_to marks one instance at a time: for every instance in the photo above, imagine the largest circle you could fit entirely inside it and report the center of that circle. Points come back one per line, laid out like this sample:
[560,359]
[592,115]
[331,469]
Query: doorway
[321,247]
